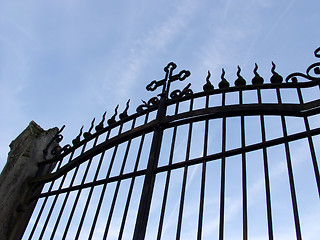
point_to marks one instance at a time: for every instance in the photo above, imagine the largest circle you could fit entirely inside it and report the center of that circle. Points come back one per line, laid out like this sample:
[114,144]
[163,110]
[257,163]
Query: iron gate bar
[290,172]
[45,200]
[266,171]
[147,190]
[105,185]
[92,188]
[164,199]
[311,146]
[67,195]
[78,193]
[223,172]
[63,206]
[185,174]
[165,194]
[132,184]
[91,191]
[244,176]
[134,174]
[55,198]
[117,186]
[203,175]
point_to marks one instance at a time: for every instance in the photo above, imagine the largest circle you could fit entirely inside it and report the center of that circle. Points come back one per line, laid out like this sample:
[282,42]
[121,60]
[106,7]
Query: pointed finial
[257,79]
[77,139]
[124,114]
[112,120]
[88,134]
[275,78]
[223,83]
[240,80]
[208,86]
[99,127]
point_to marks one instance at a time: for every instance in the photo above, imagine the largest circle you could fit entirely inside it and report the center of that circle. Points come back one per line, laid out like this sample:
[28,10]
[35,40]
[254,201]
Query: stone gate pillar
[25,153]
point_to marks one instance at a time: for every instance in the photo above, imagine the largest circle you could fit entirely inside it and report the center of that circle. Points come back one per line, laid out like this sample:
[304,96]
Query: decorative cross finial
[182,75]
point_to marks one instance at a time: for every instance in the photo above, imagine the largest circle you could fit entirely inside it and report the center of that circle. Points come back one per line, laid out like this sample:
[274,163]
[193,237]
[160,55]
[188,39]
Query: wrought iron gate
[190,165]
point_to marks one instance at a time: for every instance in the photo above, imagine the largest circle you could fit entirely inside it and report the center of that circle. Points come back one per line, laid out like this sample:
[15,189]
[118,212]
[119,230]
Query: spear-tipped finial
[124,114]
[112,120]
[240,80]
[77,139]
[275,78]
[99,127]
[223,83]
[257,79]
[208,86]
[88,134]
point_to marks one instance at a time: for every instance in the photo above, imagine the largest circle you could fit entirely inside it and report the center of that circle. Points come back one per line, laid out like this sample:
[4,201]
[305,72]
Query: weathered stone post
[26,151]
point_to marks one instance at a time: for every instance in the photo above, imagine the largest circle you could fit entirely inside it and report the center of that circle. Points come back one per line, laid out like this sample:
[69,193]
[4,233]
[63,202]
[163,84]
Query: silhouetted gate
[220,163]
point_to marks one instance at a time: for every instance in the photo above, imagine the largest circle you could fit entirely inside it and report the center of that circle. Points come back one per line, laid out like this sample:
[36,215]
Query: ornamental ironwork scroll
[309,75]
[166,83]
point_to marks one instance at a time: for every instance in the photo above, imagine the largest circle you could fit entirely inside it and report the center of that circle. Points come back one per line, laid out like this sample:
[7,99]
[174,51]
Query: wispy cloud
[151,42]
[240,30]
[276,23]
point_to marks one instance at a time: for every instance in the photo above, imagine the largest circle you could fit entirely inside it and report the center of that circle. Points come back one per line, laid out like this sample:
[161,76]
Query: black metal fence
[228,163]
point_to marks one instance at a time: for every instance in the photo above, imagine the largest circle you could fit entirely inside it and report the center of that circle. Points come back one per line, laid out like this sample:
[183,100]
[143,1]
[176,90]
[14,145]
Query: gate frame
[162,122]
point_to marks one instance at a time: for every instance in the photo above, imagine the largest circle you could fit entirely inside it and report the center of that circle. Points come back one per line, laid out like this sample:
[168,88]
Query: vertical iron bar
[311,146]
[166,188]
[104,188]
[52,207]
[123,222]
[203,176]
[148,185]
[244,176]
[115,196]
[79,191]
[290,173]
[90,194]
[56,197]
[223,172]
[64,203]
[45,202]
[266,171]
[60,212]
[67,196]
[185,175]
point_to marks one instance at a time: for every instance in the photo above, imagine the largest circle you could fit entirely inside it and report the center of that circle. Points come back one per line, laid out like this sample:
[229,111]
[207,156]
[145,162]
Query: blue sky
[66,62]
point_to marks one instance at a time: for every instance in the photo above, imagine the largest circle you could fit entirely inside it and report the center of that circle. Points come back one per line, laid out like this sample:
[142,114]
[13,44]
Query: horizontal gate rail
[190,162]
[193,116]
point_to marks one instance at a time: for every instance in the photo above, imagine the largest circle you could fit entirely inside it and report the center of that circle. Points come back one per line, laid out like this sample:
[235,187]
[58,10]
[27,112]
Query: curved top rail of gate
[167,98]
